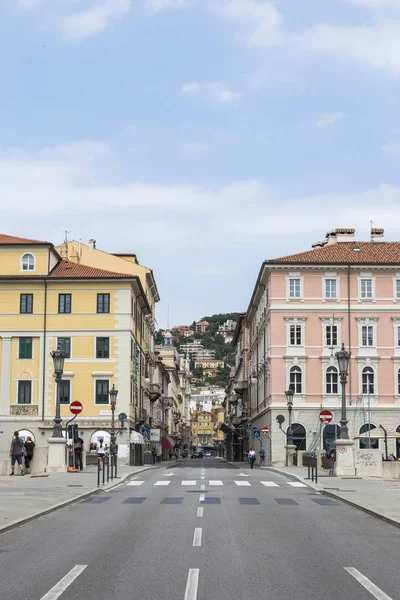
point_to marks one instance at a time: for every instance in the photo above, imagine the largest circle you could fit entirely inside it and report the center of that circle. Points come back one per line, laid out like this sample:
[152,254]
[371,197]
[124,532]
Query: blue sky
[204,135]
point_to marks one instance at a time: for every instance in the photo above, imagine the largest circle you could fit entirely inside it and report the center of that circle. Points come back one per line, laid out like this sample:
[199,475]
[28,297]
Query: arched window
[329,435]
[364,443]
[332,386]
[296,380]
[368,381]
[299,436]
[28,262]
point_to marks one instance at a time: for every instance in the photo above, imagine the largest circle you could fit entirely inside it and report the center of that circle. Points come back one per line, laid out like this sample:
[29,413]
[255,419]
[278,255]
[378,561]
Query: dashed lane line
[192,584]
[64,583]
[197,537]
[367,584]
[200,512]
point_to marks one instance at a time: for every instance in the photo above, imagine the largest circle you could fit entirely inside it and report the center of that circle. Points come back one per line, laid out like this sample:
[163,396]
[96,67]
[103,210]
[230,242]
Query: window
[331,335]
[364,443]
[368,381]
[28,262]
[64,343]
[296,380]
[25,347]
[24,392]
[64,303]
[367,335]
[332,386]
[294,288]
[398,288]
[103,303]
[366,288]
[330,288]
[299,436]
[26,304]
[102,391]
[295,335]
[102,347]
[65,391]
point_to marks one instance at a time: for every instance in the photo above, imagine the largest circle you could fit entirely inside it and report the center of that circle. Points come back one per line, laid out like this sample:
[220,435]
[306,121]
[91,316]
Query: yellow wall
[10,260]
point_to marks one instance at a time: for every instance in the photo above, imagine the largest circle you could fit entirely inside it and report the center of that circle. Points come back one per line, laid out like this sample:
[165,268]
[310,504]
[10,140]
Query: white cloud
[94,20]
[214,90]
[155,6]
[260,20]
[195,148]
[329,119]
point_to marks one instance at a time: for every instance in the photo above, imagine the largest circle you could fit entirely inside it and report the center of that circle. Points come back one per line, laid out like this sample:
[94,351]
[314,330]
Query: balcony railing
[141,416]
[155,391]
[240,386]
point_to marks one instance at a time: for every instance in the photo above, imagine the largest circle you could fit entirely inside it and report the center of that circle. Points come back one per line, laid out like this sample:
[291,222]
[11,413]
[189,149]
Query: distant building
[206,398]
[184,330]
[201,326]
[227,326]
[209,366]
[196,350]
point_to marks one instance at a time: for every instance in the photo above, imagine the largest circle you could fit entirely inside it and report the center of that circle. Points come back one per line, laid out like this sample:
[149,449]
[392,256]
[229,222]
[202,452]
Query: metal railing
[107,468]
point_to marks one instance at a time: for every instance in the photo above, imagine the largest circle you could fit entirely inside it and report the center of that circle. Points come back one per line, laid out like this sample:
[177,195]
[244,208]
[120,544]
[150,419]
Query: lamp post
[343,358]
[113,401]
[289,400]
[58,357]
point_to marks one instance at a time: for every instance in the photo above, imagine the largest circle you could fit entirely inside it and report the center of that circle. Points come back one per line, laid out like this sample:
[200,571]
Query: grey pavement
[203,529]
[23,497]
[376,496]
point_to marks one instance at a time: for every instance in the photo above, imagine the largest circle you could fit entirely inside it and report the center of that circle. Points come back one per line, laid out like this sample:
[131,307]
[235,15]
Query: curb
[369,511]
[64,503]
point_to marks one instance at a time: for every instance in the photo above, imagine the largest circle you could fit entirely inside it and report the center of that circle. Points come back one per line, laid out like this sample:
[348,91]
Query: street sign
[280,419]
[122,417]
[325,416]
[76,407]
[155,435]
[265,430]
[145,432]
[256,433]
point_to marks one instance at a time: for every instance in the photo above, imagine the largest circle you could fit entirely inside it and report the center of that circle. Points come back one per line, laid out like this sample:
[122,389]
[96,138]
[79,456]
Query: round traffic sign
[122,417]
[265,430]
[325,416]
[76,407]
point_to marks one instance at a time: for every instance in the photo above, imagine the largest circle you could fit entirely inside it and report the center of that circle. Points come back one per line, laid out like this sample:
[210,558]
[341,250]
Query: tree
[159,338]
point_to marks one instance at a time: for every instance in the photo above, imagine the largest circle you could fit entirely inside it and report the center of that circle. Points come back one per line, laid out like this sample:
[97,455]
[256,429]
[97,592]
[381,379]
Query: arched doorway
[23,434]
[364,443]
[329,435]
[299,436]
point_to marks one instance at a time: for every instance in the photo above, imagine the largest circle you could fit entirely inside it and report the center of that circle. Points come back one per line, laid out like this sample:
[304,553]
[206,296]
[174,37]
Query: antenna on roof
[371,226]
[66,236]
[168,318]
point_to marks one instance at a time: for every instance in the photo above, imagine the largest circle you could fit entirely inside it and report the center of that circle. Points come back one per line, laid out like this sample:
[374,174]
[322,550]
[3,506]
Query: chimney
[377,235]
[92,243]
[318,244]
[340,235]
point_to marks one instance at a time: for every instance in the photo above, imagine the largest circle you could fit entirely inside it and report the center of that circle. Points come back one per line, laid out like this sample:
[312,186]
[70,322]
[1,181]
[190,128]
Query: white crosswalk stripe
[215,482]
[297,484]
[269,483]
[243,483]
[162,482]
[191,482]
[135,483]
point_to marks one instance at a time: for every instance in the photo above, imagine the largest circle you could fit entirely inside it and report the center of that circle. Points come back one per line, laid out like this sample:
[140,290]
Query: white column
[5,376]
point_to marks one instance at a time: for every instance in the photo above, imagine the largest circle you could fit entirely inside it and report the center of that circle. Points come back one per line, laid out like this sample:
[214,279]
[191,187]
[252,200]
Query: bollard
[104,469]
[112,467]
[116,465]
[316,468]
[98,471]
[308,465]
[108,467]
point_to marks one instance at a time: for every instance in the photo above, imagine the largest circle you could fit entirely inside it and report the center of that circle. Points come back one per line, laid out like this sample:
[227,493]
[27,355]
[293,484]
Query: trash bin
[148,458]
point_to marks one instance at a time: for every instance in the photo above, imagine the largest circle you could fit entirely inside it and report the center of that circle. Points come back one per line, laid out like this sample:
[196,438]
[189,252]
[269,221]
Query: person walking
[252,457]
[78,450]
[16,451]
[29,447]
[100,453]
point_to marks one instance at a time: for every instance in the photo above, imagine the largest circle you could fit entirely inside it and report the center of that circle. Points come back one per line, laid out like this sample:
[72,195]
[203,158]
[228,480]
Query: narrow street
[204,529]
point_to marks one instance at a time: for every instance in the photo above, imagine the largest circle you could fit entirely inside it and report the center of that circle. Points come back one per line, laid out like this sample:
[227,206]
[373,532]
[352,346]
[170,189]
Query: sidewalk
[25,498]
[378,497]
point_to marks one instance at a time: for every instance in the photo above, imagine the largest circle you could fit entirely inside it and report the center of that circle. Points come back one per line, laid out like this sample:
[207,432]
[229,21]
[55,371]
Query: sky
[204,135]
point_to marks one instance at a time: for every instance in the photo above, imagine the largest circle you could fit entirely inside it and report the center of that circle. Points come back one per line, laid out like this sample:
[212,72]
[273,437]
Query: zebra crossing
[219,483]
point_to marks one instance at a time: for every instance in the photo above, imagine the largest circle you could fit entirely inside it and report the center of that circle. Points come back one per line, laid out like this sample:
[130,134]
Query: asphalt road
[204,530]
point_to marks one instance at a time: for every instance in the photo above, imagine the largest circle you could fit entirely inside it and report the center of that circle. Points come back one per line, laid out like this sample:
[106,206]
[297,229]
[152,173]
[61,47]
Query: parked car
[197,455]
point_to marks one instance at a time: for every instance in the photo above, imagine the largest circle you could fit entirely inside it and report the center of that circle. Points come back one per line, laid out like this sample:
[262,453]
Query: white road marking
[203,476]
[200,511]
[190,482]
[197,536]
[296,484]
[243,475]
[202,488]
[202,497]
[169,474]
[215,482]
[243,483]
[365,582]
[65,582]
[135,483]
[269,483]
[162,483]
[192,584]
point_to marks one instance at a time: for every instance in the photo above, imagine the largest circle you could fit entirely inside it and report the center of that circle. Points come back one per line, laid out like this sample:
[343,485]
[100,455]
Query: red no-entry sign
[265,430]
[325,416]
[76,407]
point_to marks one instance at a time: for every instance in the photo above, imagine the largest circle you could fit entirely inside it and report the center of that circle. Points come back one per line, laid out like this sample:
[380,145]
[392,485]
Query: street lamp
[113,401]
[343,358]
[289,400]
[58,357]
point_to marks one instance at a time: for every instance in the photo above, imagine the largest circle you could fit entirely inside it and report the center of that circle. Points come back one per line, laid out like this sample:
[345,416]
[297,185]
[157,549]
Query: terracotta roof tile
[353,253]
[70,270]
[12,239]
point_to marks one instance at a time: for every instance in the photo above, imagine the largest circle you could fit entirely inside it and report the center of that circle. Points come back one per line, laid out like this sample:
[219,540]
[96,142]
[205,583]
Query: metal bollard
[308,465]
[108,467]
[112,467]
[316,468]
[116,465]
[98,471]
[104,469]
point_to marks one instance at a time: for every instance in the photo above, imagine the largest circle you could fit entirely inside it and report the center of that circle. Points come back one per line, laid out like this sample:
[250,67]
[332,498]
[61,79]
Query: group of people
[21,451]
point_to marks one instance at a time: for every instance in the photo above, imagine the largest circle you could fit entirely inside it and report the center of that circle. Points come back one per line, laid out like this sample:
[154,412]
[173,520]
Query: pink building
[302,309]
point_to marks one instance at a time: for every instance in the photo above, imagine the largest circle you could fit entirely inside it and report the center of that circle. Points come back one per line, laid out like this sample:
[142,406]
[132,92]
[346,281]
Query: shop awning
[136,438]
[165,443]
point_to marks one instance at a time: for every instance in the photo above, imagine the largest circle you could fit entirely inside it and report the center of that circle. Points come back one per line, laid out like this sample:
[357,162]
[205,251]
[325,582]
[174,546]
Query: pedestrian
[28,453]
[171,453]
[332,458]
[100,453]
[262,456]
[16,451]
[154,455]
[78,451]
[252,457]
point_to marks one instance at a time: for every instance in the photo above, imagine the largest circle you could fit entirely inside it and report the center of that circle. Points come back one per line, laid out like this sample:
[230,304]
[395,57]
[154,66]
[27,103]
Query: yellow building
[202,429]
[101,317]
[218,417]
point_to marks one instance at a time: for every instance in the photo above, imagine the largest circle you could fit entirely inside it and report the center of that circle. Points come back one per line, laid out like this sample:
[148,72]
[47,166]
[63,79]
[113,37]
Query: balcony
[141,416]
[240,386]
[155,392]
[177,417]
